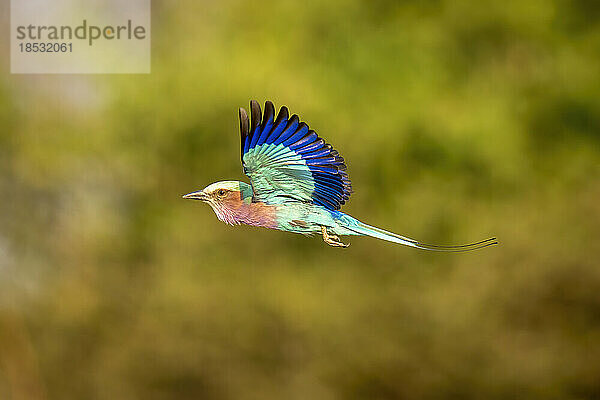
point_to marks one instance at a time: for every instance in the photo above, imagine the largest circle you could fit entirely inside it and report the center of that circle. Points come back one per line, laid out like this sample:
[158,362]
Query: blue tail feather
[361,228]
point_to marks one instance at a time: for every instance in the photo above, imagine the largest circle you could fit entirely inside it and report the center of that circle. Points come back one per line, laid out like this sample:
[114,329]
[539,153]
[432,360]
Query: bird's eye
[221,192]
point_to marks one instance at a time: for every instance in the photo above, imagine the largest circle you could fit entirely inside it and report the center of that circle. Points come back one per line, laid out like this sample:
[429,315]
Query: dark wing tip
[255,113]
[244,123]
[284,111]
[282,116]
[301,126]
[293,120]
[269,112]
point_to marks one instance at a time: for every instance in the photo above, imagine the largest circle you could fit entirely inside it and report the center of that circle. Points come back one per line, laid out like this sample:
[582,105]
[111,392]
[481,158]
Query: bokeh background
[458,120]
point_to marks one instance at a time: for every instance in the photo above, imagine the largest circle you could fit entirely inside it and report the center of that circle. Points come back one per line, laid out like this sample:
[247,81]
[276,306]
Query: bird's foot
[332,240]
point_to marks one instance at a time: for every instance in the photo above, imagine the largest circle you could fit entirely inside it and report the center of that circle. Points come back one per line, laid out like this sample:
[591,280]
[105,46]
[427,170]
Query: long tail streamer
[364,229]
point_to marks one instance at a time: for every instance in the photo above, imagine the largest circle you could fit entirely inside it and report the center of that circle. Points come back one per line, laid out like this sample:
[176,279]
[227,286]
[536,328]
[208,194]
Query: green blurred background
[459,120]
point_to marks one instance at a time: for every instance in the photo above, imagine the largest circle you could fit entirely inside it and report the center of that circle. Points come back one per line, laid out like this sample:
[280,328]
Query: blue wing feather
[265,132]
[267,123]
[276,132]
[316,154]
[317,144]
[302,130]
[329,169]
[307,139]
[289,130]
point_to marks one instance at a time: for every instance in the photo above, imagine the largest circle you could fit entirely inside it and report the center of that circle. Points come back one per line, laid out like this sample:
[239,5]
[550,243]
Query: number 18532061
[46,47]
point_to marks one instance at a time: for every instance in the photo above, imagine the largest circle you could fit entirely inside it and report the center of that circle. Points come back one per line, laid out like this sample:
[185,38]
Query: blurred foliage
[458,120]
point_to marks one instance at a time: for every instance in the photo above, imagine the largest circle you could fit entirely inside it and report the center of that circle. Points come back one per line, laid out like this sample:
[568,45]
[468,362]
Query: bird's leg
[332,240]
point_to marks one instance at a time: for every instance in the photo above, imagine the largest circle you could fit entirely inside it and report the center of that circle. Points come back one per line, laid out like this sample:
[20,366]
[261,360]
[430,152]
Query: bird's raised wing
[286,161]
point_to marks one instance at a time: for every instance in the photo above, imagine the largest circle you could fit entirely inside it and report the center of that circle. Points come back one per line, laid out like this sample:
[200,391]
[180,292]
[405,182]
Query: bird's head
[224,197]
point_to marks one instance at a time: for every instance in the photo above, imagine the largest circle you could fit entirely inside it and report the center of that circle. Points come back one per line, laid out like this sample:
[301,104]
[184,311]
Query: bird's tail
[361,228]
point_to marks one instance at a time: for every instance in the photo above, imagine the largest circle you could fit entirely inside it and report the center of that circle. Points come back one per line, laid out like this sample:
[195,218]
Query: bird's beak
[199,195]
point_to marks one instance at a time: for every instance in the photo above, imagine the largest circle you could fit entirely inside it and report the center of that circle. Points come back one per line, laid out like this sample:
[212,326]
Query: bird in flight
[298,184]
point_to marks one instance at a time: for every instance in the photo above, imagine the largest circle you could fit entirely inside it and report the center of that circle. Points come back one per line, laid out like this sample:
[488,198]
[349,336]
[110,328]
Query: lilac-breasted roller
[298,183]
